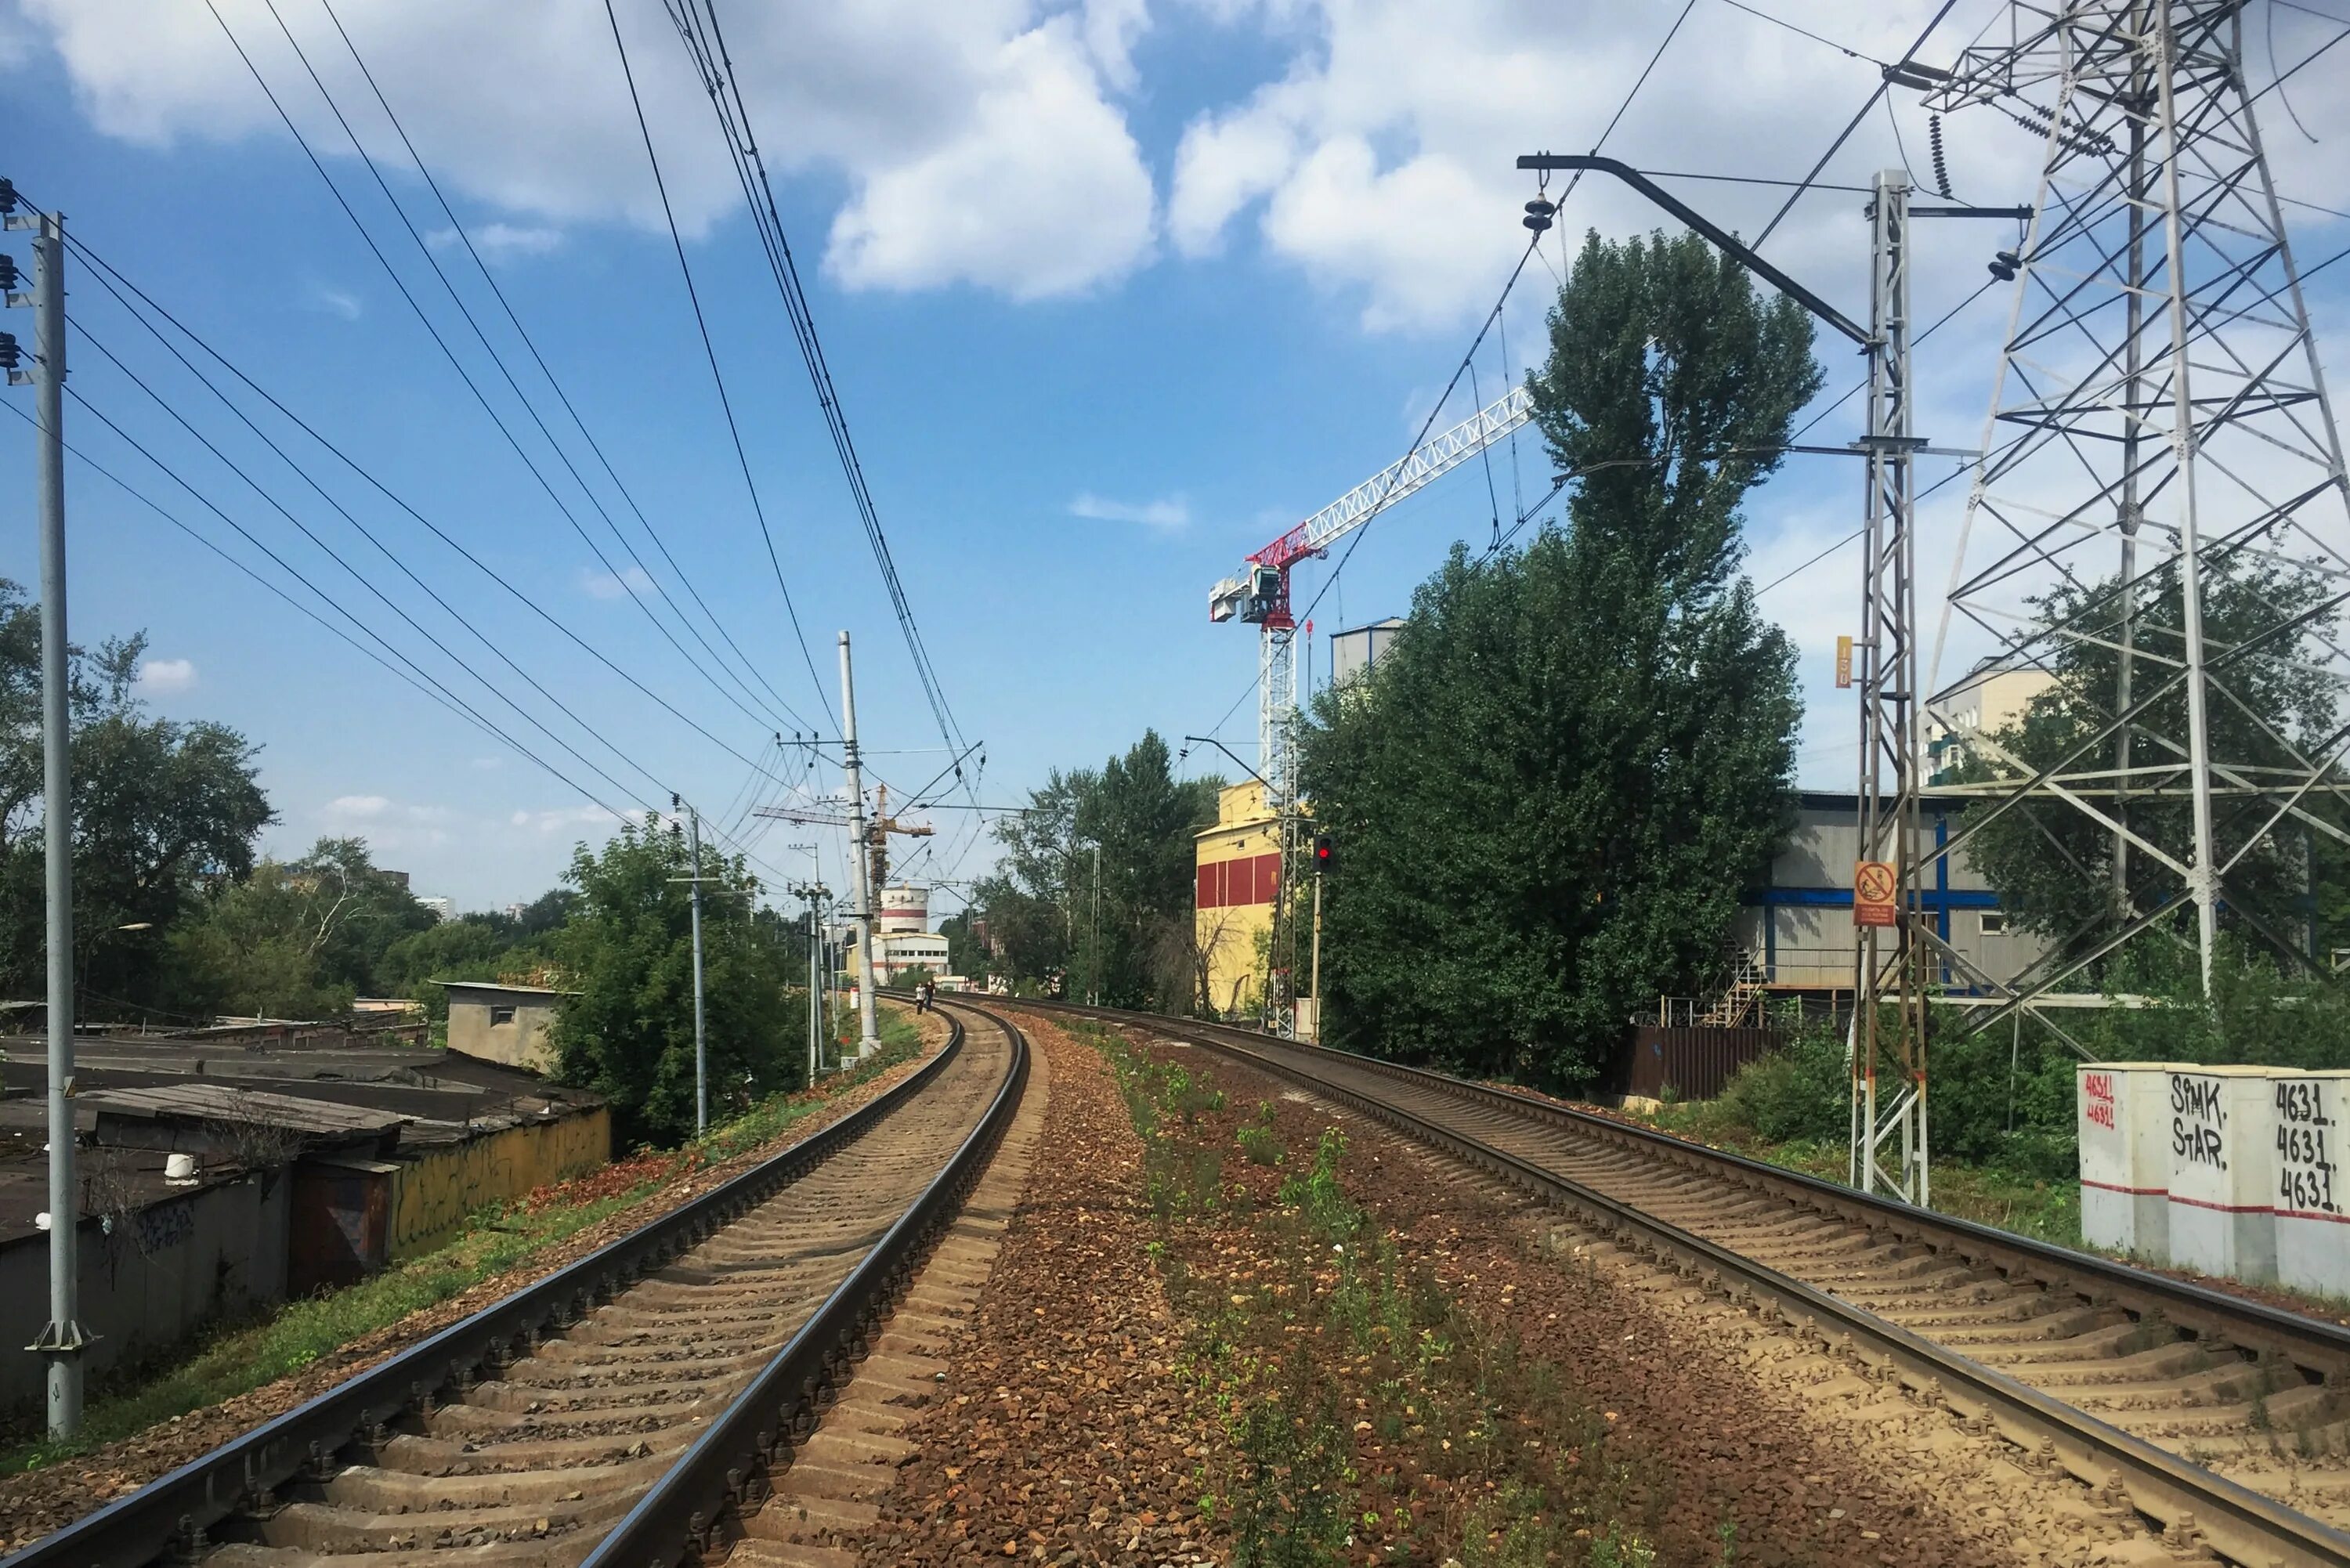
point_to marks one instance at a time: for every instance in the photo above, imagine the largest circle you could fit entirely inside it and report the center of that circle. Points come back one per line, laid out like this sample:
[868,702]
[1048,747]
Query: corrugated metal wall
[1693,1061]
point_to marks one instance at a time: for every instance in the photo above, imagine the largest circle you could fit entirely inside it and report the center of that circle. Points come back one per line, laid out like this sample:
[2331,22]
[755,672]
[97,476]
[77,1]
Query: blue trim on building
[1943,900]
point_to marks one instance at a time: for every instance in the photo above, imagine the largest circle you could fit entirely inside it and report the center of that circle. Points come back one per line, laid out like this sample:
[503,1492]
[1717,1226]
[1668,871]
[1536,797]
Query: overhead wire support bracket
[1744,254]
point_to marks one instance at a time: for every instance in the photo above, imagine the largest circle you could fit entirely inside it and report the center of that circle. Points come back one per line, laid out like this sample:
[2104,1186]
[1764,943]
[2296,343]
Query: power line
[710,351]
[360,577]
[1515,272]
[466,376]
[506,372]
[116,283]
[716,67]
[1805,31]
[1797,194]
[423,684]
[488,276]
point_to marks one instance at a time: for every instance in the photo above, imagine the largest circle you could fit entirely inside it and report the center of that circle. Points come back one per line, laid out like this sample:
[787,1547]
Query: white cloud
[974,138]
[562,817]
[501,241]
[605,586]
[333,301]
[166,677]
[389,827]
[1169,511]
[1043,192]
[1111,27]
[1381,160]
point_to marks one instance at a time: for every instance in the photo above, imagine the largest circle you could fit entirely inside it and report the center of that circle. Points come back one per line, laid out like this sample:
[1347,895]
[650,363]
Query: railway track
[625,1409]
[2225,1422]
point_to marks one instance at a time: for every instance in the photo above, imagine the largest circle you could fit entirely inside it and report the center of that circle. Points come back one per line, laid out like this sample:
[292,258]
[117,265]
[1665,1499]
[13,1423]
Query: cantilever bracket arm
[1190,741]
[1737,250]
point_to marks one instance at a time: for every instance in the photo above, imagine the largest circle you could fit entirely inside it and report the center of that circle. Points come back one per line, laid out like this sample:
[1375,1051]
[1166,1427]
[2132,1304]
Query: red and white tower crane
[1260,593]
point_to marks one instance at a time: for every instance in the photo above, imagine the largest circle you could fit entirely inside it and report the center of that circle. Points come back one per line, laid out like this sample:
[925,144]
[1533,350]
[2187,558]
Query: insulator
[2002,271]
[8,195]
[9,356]
[1942,165]
[1536,223]
[1541,208]
[9,276]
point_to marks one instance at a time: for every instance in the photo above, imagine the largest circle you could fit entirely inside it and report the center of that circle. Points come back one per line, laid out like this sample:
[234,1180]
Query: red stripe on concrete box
[2132,1191]
[2224,1208]
[1210,894]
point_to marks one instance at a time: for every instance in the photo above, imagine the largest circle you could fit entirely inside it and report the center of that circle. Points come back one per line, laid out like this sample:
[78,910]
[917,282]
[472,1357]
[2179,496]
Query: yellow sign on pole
[1844,661]
[1875,889]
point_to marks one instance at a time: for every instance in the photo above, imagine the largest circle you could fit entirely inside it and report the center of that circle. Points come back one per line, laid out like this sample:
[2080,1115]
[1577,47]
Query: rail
[723,1471]
[2239,1523]
[172,1513]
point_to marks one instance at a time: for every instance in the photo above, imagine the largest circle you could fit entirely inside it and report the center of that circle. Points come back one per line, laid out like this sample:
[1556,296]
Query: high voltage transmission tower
[2158,529]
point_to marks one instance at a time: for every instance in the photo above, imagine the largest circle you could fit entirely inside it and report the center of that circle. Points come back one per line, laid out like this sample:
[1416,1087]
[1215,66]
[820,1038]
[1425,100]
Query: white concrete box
[2222,1214]
[2313,1192]
[2124,1110]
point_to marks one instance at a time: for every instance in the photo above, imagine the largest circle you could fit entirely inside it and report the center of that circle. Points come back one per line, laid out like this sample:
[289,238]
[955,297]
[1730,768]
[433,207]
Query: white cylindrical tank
[905,909]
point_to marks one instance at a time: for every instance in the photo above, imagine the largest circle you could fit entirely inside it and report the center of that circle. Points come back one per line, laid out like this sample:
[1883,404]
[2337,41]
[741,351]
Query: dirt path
[1064,1435]
[1761,1445]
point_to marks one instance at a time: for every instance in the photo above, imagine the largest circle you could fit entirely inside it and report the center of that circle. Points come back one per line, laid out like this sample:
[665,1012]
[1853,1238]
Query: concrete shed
[506,1023]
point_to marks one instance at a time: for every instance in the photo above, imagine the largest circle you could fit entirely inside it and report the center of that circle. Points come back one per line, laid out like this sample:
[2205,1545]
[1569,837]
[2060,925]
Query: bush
[1799,1092]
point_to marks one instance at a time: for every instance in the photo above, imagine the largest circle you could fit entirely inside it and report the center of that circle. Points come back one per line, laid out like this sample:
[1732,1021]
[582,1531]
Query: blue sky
[1112,294]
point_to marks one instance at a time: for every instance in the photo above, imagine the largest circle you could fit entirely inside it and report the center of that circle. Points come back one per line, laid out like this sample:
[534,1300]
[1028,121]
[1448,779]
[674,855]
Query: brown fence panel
[1694,1062]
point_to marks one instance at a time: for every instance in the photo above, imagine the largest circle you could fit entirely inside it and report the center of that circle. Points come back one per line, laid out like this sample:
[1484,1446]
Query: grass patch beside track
[240,1359]
[1366,1416]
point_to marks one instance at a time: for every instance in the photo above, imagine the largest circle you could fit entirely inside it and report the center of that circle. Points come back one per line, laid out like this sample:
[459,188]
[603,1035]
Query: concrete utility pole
[1093,938]
[61,1339]
[868,1039]
[812,890]
[700,1051]
[701,1043]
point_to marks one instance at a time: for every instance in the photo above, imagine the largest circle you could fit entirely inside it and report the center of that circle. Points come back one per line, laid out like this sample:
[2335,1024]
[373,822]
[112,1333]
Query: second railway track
[621,1410]
[2224,1421]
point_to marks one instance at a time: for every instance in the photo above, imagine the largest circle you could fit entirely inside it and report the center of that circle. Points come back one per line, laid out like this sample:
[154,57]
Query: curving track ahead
[2226,1422]
[623,1410]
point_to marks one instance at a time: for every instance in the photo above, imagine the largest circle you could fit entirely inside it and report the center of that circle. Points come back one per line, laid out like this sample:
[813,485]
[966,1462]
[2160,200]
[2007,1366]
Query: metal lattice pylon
[2160,442]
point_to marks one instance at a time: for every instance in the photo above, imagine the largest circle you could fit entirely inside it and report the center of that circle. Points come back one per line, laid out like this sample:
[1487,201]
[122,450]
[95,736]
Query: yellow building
[1239,863]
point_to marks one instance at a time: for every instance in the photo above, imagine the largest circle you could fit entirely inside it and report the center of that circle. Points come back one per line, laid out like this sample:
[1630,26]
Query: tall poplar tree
[1550,794]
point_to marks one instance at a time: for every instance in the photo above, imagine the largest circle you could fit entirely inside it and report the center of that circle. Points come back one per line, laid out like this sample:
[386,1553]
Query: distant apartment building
[1986,702]
[442,908]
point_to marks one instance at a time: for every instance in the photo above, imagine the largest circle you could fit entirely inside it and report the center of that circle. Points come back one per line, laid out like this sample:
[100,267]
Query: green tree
[471,946]
[1042,910]
[2053,865]
[295,939]
[1029,898]
[1575,755]
[628,952]
[1141,819]
[164,810]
